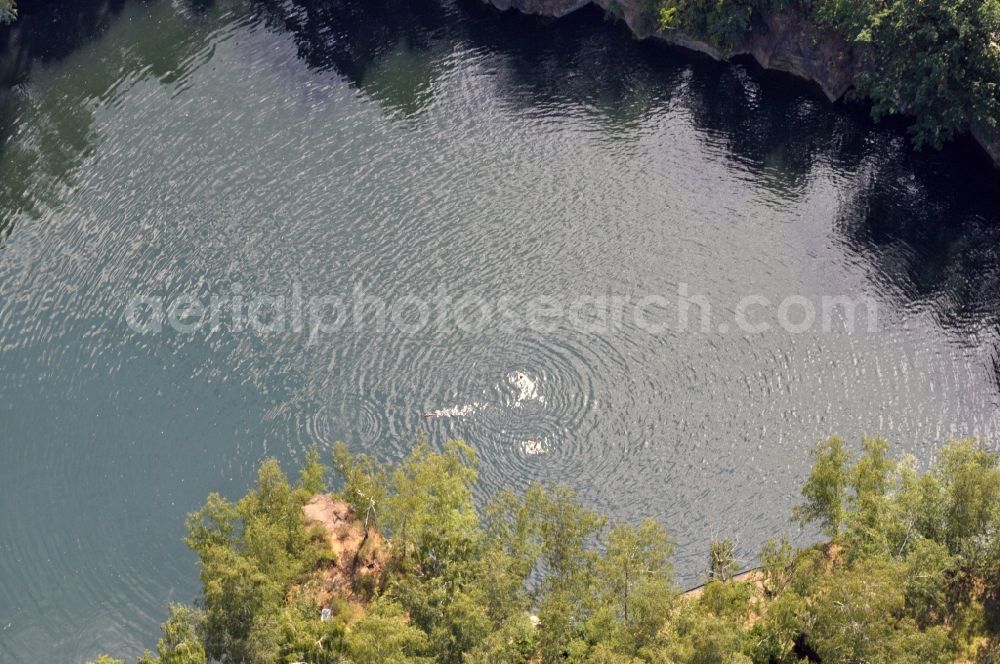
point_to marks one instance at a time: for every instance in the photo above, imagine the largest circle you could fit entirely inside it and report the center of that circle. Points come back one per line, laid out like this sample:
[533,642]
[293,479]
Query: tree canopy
[909,572]
[937,61]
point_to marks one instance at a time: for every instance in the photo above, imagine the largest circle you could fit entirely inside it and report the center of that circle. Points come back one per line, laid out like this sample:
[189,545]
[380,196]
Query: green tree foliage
[698,635]
[853,610]
[564,529]
[970,482]
[632,599]
[723,22]
[911,573]
[429,512]
[183,637]
[385,635]
[722,565]
[312,475]
[935,60]
[776,558]
[249,553]
[636,563]
[363,481]
[825,490]
[907,578]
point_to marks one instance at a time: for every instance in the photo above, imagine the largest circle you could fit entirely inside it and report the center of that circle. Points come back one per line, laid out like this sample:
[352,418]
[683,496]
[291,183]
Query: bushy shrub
[937,61]
[911,573]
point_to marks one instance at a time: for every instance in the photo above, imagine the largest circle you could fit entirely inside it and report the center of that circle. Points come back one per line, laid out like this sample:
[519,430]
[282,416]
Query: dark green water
[412,149]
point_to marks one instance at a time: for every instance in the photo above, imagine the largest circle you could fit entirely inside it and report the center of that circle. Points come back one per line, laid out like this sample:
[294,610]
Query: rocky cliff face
[789,44]
[553,8]
[792,45]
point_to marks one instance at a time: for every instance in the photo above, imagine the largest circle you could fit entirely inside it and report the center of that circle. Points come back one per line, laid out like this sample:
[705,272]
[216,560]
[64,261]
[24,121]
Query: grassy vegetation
[936,60]
[910,572]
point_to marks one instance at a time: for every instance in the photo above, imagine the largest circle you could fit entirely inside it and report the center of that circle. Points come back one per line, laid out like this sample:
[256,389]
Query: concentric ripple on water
[246,149]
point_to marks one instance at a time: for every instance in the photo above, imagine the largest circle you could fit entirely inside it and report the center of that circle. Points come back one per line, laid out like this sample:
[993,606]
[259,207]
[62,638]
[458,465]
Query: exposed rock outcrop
[359,554]
[792,45]
[788,43]
[553,8]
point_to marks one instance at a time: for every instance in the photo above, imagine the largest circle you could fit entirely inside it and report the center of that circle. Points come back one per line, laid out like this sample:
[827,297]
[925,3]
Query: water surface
[416,148]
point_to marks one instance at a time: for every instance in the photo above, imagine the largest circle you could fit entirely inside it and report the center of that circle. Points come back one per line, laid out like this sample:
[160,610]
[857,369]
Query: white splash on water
[527,388]
[527,391]
[455,411]
[533,447]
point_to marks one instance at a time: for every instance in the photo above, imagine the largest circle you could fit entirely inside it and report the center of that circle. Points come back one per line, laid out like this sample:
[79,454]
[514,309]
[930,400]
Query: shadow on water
[771,123]
[47,112]
[43,33]
[46,31]
[927,231]
[930,230]
[923,226]
[927,223]
[386,48]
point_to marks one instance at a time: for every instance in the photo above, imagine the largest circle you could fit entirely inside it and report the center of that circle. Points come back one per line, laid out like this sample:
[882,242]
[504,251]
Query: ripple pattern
[446,156]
